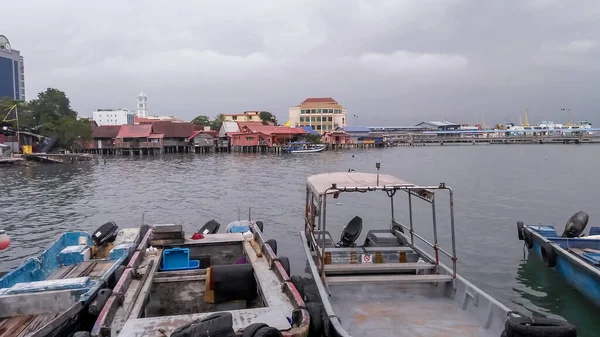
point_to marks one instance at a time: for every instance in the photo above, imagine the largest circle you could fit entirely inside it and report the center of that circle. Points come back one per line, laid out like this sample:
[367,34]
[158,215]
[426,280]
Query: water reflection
[543,292]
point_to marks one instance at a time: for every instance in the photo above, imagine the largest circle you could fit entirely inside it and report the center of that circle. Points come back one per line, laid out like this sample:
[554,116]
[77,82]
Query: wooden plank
[100,268]
[180,279]
[81,269]
[61,272]
[58,321]
[167,228]
[388,279]
[13,326]
[138,307]
[38,322]
[180,273]
[336,269]
[591,250]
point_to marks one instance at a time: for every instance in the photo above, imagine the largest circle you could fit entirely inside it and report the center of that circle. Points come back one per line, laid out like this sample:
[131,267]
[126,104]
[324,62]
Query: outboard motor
[576,225]
[351,232]
[106,233]
[210,227]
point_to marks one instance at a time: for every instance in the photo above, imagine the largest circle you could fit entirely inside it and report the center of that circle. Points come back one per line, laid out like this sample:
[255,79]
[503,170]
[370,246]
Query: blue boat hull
[579,273]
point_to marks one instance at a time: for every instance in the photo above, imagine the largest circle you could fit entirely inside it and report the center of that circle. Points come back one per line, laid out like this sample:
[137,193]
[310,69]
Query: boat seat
[384,238]
[47,285]
[388,279]
[73,254]
[594,231]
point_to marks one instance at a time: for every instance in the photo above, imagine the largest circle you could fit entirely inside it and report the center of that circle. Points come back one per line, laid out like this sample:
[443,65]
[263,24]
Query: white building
[113,116]
[142,105]
[322,114]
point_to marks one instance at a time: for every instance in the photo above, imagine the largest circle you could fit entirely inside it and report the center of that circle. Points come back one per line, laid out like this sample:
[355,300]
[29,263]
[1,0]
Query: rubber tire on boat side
[315,310]
[260,225]
[285,263]
[520,226]
[251,329]
[299,284]
[268,331]
[504,334]
[81,334]
[528,237]
[539,327]
[273,244]
[548,255]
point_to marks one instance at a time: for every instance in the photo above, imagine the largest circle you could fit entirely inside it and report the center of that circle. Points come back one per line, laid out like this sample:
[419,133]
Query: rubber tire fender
[299,285]
[273,244]
[268,331]
[541,327]
[548,255]
[260,225]
[251,329]
[315,310]
[285,263]
[528,238]
[520,226]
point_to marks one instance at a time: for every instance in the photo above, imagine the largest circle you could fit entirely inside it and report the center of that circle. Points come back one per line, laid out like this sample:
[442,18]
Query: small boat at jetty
[57,291]
[219,284]
[572,254]
[389,286]
[304,147]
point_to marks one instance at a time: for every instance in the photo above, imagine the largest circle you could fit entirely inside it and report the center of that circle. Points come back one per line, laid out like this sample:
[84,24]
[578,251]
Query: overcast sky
[387,61]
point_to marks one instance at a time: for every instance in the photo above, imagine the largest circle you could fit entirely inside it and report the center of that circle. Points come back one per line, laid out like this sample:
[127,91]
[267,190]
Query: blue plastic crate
[178,259]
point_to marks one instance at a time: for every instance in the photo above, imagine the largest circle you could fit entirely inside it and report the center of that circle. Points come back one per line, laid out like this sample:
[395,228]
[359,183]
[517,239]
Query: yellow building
[247,116]
[322,114]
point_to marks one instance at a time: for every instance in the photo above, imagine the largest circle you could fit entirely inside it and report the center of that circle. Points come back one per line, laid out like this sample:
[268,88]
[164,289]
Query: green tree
[267,118]
[50,115]
[201,120]
[316,139]
[216,124]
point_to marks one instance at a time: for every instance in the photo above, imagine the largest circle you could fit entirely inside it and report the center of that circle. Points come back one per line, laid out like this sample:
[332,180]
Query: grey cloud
[387,61]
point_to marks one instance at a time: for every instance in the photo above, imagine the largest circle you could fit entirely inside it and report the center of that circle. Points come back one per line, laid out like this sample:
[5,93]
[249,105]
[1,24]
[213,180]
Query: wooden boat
[54,293]
[179,281]
[304,147]
[389,286]
[574,256]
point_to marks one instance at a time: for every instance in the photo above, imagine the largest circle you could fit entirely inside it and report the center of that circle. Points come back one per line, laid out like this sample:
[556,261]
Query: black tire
[299,284]
[273,244]
[503,334]
[81,334]
[118,273]
[548,255]
[260,226]
[520,226]
[251,329]
[315,310]
[268,331]
[528,238]
[285,262]
[539,327]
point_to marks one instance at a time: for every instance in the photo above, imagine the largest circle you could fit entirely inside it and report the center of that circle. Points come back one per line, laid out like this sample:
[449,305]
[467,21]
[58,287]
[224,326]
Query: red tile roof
[156,136]
[173,130]
[320,100]
[135,131]
[274,130]
[106,131]
[210,133]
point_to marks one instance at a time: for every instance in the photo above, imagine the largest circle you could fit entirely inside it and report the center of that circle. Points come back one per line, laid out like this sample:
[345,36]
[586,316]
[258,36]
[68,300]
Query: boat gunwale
[595,271]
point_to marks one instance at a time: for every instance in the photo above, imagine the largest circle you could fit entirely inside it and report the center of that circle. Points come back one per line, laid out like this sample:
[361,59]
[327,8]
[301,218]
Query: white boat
[304,147]
[388,286]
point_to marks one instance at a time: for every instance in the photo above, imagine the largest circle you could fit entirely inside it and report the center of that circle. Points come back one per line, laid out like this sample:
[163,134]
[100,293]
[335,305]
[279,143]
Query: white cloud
[402,61]
[573,47]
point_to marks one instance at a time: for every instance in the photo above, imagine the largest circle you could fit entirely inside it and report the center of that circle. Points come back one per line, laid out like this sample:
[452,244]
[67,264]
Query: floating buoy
[4,240]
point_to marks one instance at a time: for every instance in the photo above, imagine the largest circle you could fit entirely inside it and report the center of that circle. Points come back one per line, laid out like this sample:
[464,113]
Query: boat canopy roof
[319,183]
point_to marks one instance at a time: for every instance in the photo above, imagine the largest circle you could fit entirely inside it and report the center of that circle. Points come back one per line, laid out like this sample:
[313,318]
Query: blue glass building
[12,74]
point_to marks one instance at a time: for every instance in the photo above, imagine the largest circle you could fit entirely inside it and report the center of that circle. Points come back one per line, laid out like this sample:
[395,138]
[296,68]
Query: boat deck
[412,310]
[23,325]
[134,322]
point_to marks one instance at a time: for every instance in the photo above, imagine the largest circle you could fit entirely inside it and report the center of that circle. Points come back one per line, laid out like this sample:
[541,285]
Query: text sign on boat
[367,258]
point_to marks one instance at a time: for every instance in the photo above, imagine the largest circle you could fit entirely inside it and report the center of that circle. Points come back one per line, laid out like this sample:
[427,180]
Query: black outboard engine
[576,225]
[106,233]
[210,227]
[351,232]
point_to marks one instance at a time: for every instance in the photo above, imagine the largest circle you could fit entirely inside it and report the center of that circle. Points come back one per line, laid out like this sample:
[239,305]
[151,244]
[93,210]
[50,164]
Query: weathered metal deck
[402,310]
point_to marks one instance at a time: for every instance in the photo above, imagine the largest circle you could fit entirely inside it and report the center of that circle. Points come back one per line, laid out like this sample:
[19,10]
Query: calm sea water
[494,187]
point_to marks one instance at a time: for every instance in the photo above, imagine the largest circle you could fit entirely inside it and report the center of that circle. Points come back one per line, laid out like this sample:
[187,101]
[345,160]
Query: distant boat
[304,147]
